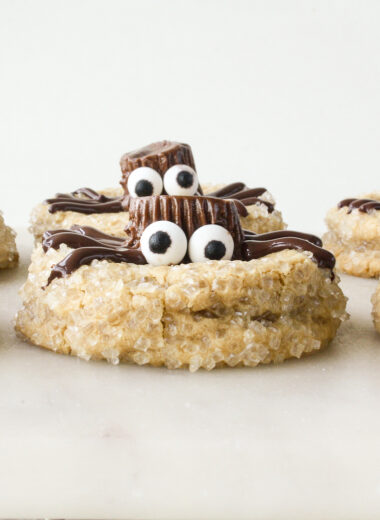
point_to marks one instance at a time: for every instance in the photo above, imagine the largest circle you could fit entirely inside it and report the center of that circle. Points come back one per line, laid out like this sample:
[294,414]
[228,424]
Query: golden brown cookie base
[8,251]
[259,219]
[354,238]
[376,308]
[190,315]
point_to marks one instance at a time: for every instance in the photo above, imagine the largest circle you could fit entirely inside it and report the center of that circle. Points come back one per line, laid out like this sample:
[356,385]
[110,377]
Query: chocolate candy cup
[160,156]
[189,213]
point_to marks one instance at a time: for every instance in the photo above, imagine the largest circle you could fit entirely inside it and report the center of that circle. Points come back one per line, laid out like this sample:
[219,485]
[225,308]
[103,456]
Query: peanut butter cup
[160,156]
[189,213]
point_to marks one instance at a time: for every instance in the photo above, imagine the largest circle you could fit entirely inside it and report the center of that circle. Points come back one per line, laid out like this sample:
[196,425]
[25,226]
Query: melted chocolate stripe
[240,206]
[69,199]
[363,205]
[79,236]
[255,200]
[85,207]
[252,249]
[368,206]
[85,255]
[239,191]
[52,232]
[91,194]
[249,235]
[229,190]
[75,241]
[95,233]
[248,193]
[94,203]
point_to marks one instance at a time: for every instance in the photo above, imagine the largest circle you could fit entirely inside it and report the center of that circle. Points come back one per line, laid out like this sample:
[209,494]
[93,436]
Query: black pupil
[144,188]
[185,179]
[215,250]
[159,242]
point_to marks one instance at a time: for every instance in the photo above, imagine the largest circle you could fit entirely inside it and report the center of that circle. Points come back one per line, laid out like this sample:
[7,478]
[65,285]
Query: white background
[283,94]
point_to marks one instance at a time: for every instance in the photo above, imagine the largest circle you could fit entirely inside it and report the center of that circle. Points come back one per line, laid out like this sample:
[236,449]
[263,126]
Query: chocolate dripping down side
[86,201]
[363,205]
[189,213]
[160,156]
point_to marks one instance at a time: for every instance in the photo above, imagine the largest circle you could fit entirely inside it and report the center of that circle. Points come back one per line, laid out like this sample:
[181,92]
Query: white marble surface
[90,440]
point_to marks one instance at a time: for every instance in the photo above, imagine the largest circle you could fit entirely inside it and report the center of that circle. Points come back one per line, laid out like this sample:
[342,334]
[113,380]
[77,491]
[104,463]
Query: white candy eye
[211,242]
[163,243]
[181,180]
[144,182]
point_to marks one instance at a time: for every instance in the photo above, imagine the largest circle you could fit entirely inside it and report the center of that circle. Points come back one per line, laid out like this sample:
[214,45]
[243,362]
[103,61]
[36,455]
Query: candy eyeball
[163,243]
[144,182]
[181,180]
[211,242]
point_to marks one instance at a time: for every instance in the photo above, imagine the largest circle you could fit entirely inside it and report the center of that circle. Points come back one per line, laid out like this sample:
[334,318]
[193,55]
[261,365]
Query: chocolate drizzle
[189,213]
[79,236]
[84,200]
[247,196]
[88,244]
[363,205]
[250,235]
[259,247]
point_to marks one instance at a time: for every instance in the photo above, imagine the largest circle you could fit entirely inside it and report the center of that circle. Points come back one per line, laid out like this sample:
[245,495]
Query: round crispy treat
[258,219]
[189,315]
[354,238]
[8,251]
[376,308]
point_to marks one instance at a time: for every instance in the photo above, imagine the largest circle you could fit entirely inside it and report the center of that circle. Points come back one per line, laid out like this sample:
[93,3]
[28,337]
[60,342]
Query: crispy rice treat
[259,219]
[8,251]
[376,308]
[354,239]
[189,315]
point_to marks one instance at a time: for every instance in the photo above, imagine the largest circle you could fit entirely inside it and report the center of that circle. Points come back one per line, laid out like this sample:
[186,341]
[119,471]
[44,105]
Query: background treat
[354,235]
[376,308]
[276,304]
[8,251]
